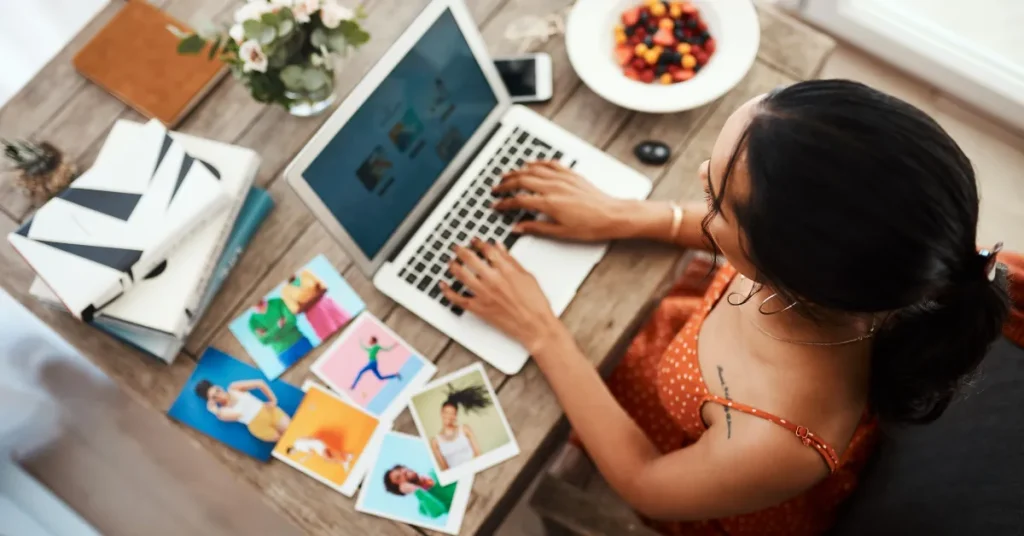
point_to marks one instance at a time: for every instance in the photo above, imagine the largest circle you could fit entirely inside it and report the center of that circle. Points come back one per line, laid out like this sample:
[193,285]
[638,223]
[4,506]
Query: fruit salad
[662,41]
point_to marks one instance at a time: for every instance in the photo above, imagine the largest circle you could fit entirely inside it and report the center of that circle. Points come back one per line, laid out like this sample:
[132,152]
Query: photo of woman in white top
[456,444]
[264,419]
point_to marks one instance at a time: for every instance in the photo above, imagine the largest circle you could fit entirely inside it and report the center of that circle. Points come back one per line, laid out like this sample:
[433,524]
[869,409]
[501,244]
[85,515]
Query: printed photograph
[371,366]
[403,485]
[329,438]
[450,144]
[405,132]
[235,404]
[297,316]
[459,419]
[374,168]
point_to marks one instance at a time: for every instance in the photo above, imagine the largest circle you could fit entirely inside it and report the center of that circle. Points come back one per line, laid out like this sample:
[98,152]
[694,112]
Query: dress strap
[808,438]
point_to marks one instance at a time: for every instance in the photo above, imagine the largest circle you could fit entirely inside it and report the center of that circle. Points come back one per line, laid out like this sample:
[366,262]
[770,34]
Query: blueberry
[676,57]
[680,36]
[700,40]
[649,41]
[697,68]
[660,69]
[644,17]
[691,24]
[679,23]
[652,29]
[665,58]
[630,30]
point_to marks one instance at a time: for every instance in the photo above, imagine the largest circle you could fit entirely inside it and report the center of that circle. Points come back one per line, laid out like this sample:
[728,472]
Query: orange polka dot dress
[659,383]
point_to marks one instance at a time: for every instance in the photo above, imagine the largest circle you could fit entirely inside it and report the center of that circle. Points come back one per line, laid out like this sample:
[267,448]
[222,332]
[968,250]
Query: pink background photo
[340,364]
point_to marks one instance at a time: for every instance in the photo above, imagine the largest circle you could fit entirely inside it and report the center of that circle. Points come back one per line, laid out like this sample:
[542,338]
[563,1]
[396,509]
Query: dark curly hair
[861,203]
[471,398]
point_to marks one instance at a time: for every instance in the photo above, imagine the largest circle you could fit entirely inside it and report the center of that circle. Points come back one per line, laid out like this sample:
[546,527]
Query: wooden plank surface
[602,317]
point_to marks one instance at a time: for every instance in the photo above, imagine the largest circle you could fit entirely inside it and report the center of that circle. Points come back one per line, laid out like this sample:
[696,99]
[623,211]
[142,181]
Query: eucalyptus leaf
[269,19]
[360,12]
[337,42]
[292,76]
[285,27]
[191,44]
[353,33]
[318,38]
[285,14]
[314,79]
[213,48]
[268,35]
[252,29]
[279,58]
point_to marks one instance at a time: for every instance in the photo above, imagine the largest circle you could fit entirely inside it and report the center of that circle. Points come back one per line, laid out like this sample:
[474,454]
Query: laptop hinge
[429,211]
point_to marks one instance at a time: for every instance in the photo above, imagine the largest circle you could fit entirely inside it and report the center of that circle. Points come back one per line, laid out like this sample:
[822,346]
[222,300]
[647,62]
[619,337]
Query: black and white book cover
[179,286]
[118,222]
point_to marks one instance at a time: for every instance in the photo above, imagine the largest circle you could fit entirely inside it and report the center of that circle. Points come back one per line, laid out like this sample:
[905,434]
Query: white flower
[252,56]
[304,8]
[282,3]
[332,13]
[237,33]
[253,10]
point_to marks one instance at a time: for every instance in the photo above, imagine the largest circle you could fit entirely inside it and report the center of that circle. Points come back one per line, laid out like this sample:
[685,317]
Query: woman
[306,293]
[853,291]
[456,444]
[265,420]
[327,444]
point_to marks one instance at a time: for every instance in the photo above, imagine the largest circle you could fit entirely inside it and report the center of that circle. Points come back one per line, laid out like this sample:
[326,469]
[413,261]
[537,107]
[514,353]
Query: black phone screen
[520,76]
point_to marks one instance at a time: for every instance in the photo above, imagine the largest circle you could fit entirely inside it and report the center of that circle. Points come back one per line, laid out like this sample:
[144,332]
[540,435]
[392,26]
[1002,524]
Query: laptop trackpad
[560,267]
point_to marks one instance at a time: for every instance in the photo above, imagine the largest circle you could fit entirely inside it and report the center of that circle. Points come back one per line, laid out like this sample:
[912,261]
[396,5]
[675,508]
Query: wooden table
[60,106]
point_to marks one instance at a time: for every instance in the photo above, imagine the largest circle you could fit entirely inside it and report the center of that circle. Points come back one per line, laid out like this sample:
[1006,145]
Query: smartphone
[528,78]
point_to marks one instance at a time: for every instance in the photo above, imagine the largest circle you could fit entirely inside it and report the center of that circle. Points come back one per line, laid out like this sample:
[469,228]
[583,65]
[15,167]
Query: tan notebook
[135,58]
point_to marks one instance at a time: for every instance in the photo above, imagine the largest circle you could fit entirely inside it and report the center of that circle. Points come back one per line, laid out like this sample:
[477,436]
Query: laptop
[404,168]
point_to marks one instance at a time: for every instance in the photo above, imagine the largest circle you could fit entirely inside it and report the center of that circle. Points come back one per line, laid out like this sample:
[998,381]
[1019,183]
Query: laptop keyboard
[472,216]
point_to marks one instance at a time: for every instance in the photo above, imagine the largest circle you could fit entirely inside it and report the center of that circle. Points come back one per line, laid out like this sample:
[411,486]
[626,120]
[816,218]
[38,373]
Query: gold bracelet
[677,219]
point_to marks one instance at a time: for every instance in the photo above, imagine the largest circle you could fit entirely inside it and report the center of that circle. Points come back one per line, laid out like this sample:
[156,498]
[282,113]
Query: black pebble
[652,152]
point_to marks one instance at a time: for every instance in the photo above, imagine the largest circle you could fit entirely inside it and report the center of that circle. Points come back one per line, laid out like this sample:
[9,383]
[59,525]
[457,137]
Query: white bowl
[589,38]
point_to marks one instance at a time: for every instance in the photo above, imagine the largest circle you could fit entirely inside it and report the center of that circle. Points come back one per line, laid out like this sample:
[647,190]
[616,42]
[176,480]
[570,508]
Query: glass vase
[310,102]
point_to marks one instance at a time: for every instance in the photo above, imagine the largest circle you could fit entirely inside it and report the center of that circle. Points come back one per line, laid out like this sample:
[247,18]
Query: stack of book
[140,243]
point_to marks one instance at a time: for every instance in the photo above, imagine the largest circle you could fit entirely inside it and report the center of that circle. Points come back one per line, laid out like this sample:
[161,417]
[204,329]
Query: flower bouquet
[284,50]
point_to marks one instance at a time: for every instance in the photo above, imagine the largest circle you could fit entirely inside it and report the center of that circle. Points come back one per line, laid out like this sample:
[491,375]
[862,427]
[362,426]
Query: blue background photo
[399,449]
[222,369]
[337,289]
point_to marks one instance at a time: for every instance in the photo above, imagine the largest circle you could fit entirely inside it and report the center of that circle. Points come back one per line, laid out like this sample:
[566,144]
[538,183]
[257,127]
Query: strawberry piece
[631,16]
[688,9]
[635,40]
[623,54]
[640,32]
[638,63]
[647,76]
[710,45]
[700,56]
[664,38]
[631,73]
[701,25]
[682,75]
[673,68]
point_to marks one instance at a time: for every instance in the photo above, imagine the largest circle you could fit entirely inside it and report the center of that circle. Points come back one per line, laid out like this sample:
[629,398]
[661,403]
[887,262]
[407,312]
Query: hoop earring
[760,308]
[742,301]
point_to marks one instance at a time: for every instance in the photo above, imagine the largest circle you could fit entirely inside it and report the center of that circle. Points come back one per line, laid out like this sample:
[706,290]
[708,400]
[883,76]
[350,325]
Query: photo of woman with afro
[456,443]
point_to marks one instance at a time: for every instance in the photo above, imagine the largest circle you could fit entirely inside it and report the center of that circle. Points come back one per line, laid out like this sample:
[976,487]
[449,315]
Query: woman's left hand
[502,293]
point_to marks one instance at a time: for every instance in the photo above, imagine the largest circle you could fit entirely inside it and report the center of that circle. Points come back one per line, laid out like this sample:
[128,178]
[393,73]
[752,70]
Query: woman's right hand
[577,209]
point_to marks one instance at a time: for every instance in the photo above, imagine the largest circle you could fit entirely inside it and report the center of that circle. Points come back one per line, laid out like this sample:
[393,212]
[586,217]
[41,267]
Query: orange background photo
[320,411]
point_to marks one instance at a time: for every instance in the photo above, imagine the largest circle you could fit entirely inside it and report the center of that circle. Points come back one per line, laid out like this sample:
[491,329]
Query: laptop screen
[392,150]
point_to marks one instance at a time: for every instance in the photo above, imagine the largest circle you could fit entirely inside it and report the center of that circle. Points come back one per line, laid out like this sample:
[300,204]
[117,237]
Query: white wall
[32,32]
